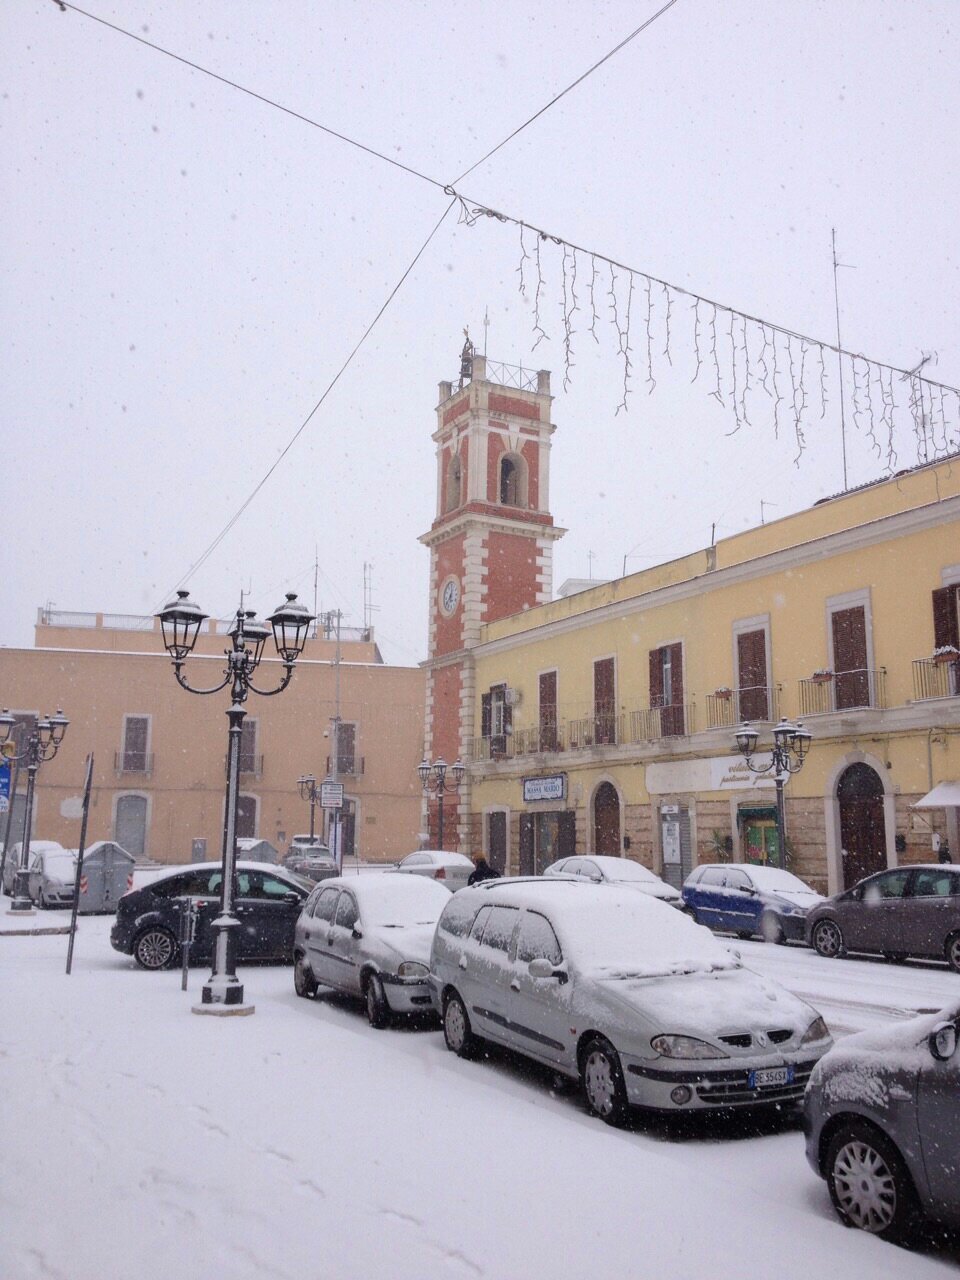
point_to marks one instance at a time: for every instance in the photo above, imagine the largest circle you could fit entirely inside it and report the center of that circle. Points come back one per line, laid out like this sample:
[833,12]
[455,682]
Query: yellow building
[605,721]
[160,754]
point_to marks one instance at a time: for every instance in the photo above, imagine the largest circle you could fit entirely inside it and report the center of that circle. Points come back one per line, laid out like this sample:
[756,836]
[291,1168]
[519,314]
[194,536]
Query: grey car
[604,869]
[909,911]
[51,880]
[882,1123]
[370,936]
[621,992]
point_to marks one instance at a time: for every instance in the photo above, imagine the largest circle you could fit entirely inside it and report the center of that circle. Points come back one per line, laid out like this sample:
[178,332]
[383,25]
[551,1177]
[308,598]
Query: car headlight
[684,1047]
[817,1030]
[412,969]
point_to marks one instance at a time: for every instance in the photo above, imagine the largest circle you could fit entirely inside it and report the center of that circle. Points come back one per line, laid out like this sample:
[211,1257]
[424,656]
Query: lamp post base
[21,907]
[225,1010]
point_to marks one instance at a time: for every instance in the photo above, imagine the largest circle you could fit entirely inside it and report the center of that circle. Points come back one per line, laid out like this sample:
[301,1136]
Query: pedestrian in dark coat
[482,870]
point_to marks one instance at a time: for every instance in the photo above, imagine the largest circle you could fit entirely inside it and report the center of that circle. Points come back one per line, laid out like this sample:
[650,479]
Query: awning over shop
[945,795]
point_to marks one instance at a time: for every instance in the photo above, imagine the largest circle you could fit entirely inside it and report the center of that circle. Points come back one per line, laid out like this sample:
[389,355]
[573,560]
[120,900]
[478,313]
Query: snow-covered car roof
[243,865]
[771,879]
[395,900]
[615,932]
[443,857]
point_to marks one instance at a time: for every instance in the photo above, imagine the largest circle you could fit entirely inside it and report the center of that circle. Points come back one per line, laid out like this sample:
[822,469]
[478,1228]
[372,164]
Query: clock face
[450,596]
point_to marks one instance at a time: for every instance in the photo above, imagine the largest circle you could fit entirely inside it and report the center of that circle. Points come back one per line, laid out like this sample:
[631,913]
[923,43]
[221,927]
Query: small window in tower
[454,475]
[509,482]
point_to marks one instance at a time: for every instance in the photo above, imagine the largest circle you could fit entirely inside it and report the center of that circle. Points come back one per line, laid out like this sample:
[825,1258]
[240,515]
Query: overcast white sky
[185,268]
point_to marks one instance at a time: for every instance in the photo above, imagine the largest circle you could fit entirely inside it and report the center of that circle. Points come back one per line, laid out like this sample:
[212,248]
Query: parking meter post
[79,872]
[14,783]
[188,931]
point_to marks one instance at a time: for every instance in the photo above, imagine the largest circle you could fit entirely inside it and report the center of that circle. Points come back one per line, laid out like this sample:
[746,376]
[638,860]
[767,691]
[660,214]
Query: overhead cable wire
[251,93]
[303,425]
[563,92]
[469,215]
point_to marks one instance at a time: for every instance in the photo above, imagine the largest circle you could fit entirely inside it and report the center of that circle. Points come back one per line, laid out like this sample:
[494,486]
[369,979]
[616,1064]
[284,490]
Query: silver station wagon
[621,992]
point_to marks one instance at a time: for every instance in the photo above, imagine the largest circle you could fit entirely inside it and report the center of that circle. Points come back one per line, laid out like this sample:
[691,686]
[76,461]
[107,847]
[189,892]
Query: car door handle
[463,962]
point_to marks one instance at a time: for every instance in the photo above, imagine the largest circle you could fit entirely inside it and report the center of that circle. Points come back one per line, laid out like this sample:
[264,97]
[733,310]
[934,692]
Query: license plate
[770,1076]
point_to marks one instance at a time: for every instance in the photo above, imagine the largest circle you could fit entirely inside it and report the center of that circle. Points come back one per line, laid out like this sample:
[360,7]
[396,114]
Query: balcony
[843,691]
[935,679]
[673,721]
[755,702]
[140,762]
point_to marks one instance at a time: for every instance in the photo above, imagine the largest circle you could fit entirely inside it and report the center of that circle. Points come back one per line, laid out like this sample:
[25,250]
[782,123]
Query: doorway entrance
[497,841]
[862,831]
[545,837]
[606,820]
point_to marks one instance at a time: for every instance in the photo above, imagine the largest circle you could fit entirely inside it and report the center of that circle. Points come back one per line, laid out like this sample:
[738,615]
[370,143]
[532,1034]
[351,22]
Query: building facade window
[548,723]
[512,476]
[753,695]
[248,747]
[246,817]
[605,701]
[496,719]
[134,756]
[454,482]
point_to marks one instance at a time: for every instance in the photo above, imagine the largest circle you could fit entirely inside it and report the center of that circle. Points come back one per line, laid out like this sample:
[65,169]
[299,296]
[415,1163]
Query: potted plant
[822,675]
[946,653]
[724,693]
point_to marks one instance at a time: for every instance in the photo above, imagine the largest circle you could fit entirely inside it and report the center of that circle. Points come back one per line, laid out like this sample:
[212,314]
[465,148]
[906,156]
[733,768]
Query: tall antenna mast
[486,329]
[316,571]
[836,299]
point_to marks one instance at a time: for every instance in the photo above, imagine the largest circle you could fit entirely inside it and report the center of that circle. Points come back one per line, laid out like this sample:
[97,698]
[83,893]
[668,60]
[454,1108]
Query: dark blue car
[745,899]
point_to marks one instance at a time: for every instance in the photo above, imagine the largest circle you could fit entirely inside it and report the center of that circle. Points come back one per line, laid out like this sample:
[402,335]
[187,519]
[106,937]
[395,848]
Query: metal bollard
[188,932]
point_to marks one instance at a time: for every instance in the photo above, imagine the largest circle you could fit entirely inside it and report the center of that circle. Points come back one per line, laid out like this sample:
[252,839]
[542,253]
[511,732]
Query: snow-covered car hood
[805,900]
[665,892]
[406,941]
[724,1002]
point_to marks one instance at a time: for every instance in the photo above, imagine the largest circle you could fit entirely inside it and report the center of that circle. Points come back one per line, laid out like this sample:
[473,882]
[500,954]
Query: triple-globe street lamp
[180,622]
[437,779]
[791,743]
[42,744]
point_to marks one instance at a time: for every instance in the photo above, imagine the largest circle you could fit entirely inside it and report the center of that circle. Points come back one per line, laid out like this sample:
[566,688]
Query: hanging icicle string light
[933,407]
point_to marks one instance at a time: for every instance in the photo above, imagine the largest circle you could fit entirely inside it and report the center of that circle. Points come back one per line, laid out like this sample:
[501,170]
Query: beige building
[160,753]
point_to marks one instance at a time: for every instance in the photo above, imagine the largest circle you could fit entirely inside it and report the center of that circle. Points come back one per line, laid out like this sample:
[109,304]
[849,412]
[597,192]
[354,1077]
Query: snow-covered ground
[141,1141]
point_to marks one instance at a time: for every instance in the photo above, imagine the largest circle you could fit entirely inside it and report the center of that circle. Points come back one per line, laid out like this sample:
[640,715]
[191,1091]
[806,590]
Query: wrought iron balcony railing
[755,703]
[843,691]
[935,679]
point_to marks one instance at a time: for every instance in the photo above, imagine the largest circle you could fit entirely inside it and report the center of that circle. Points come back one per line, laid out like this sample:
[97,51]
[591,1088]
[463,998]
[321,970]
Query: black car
[267,904]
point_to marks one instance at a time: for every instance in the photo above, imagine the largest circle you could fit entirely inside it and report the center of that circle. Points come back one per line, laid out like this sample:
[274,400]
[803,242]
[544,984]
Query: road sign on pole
[331,795]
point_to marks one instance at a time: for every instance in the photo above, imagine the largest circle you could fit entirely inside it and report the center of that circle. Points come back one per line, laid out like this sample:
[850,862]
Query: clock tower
[491,545]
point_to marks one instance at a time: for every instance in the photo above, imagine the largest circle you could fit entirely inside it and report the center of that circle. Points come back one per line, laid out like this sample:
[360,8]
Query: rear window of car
[499,928]
[936,884]
[325,904]
[457,917]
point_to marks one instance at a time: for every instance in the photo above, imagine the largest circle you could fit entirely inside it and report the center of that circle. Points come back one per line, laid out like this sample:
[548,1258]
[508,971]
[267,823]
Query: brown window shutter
[676,666]
[656,677]
[946,617]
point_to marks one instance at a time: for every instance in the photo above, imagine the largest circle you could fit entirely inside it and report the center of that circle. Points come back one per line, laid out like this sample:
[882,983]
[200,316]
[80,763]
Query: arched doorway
[862,833]
[606,820]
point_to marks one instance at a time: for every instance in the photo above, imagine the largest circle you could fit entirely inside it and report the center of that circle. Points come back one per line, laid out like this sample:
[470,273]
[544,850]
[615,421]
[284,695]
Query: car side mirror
[293,898]
[542,968]
[942,1041]
[356,932]
[596,879]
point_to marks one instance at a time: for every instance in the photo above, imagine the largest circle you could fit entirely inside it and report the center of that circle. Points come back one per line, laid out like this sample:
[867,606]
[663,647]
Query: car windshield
[773,880]
[397,902]
[632,935]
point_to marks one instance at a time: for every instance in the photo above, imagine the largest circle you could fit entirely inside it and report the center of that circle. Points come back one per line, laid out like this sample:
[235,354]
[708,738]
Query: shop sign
[716,773]
[552,787]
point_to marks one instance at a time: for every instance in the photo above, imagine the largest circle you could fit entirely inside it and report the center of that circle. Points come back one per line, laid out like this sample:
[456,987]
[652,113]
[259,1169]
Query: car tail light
[440,873]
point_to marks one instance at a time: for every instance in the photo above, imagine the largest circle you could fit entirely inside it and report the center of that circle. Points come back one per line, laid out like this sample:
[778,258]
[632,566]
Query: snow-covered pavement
[142,1141]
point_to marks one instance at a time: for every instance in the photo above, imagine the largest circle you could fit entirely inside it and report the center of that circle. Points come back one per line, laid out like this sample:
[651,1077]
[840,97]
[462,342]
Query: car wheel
[603,1085]
[952,951]
[304,983]
[457,1034]
[155,948]
[771,927]
[828,939]
[377,1011]
[869,1183]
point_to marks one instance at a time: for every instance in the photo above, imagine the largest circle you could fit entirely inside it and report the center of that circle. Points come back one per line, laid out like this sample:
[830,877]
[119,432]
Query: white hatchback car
[621,992]
[452,869]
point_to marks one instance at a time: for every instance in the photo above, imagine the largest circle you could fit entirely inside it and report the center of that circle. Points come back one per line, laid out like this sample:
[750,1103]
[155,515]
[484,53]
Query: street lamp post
[180,622]
[791,743]
[308,791]
[436,779]
[43,743]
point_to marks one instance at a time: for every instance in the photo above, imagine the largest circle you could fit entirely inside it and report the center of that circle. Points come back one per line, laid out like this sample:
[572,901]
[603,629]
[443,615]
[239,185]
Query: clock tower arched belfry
[491,543]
